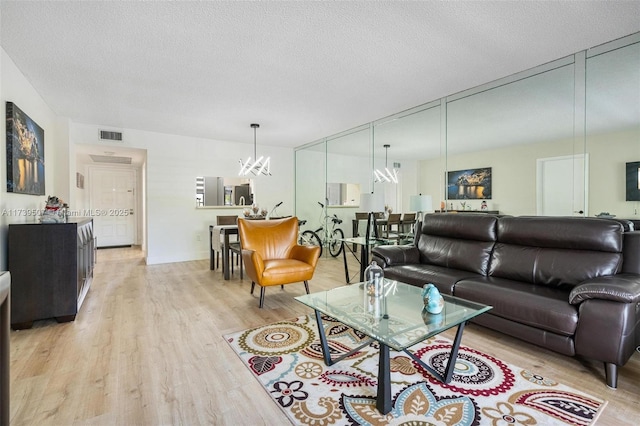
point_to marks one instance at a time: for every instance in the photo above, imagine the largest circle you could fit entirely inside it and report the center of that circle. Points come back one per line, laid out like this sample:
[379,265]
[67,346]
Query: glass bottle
[373,286]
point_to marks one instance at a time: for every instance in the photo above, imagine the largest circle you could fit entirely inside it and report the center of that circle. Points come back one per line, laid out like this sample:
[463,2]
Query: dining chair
[393,221]
[360,216]
[272,255]
[234,246]
[408,222]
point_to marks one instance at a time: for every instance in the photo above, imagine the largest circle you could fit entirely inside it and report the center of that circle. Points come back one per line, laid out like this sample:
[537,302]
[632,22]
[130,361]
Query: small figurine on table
[483,206]
[55,211]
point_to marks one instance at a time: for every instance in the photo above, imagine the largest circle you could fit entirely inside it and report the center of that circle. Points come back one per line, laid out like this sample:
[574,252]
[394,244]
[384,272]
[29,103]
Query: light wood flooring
[147,349]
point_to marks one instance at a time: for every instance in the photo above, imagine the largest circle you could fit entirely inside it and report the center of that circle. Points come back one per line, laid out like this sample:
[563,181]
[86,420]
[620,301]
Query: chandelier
[258,166]
[386,175]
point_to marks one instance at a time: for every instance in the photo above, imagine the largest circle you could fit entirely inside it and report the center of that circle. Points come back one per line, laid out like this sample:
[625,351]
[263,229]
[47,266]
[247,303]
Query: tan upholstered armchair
[272,256]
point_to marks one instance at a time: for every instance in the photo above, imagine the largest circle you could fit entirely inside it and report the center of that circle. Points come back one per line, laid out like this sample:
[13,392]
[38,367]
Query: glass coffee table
[395,320]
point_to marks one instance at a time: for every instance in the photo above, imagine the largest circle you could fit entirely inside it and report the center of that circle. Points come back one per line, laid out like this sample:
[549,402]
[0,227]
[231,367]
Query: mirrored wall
[552,140]
[612,123]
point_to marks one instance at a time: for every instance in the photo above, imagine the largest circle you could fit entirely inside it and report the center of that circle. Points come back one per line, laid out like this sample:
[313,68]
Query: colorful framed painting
[472,184]
[25,153]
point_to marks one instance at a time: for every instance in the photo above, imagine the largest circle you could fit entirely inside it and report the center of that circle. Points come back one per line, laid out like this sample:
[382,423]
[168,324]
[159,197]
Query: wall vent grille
[109,135]
[110,159]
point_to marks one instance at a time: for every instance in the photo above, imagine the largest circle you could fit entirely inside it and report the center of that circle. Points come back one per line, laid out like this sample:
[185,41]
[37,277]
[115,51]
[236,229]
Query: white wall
[176,230]
[14,87]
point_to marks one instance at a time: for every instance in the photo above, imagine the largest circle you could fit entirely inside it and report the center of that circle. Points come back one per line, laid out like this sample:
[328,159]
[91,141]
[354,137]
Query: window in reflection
[212,191]
[343,194]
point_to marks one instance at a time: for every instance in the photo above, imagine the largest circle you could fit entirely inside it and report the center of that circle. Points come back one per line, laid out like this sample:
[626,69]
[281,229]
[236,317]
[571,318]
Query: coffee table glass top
[396,318]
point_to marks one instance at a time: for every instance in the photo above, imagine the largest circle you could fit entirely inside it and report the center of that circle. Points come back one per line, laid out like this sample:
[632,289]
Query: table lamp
[420,204]
[372,203]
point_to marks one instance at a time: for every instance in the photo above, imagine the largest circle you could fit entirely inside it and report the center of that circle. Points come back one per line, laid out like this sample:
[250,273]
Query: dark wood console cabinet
[51,269]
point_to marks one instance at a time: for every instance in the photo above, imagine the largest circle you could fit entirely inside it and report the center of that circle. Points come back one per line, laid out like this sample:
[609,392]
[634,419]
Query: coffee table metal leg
[451,365]
[325,346]
[323,340]
[383,399]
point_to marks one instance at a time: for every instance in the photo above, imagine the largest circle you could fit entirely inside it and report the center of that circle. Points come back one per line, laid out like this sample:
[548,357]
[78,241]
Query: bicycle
[334,237]
[308,237]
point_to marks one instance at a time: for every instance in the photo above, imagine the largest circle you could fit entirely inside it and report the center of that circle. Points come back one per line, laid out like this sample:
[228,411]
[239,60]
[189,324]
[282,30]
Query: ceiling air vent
[110,159]
[108,135]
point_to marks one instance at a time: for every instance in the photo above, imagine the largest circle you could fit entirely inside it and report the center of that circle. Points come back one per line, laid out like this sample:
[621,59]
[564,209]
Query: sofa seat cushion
[418,275]
[546,308]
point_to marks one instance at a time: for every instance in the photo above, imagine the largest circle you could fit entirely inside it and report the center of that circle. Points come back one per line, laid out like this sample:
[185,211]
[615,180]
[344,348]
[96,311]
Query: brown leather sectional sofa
[571,285]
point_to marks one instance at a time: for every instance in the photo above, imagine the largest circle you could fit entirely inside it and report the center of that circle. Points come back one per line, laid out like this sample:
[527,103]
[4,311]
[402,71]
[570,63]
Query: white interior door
[112,201]
[562,186]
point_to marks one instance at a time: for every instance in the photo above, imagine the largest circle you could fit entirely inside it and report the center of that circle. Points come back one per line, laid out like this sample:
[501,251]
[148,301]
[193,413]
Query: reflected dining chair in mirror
[272,255]
[234,246]
[360,217]
[408,222]
[392,227]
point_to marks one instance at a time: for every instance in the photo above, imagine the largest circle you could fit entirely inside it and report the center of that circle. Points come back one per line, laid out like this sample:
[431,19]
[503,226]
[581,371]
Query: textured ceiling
[303,70]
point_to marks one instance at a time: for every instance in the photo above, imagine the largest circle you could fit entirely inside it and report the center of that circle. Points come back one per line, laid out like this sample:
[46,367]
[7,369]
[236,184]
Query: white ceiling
[303,70]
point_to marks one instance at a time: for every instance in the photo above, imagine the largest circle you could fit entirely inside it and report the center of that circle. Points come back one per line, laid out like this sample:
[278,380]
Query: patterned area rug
[286,358]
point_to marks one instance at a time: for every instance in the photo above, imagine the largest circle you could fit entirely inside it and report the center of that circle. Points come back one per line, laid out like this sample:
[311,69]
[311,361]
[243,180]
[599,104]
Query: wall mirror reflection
[612,116]
[412,136]
[557,138]
[343,194]
[216,191]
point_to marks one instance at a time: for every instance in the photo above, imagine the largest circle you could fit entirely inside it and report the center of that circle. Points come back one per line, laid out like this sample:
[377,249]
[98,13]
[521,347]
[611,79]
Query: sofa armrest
[624,288]
[395,255]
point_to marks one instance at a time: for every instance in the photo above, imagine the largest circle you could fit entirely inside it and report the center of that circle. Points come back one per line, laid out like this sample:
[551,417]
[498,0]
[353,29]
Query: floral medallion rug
[286,358]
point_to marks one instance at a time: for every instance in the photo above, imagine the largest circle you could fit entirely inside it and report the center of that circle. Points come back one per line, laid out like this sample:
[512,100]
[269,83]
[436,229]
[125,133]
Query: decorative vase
[373,286]
[432,299]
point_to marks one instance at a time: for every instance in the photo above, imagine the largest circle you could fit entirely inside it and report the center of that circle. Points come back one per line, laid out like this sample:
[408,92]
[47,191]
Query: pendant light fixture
[386,175]
[257,167]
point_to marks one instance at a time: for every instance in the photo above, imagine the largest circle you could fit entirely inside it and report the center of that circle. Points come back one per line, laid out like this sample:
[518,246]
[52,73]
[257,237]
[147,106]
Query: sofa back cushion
[556,251]
[461,241]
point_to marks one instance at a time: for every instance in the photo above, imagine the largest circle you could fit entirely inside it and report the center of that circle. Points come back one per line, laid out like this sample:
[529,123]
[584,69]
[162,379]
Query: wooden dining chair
[360,216]
[393,221]
[234,246]
[407,222]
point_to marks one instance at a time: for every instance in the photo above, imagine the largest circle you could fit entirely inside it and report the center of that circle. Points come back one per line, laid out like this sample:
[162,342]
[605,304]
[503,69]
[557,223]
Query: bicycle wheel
[335,245]
[310,238]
